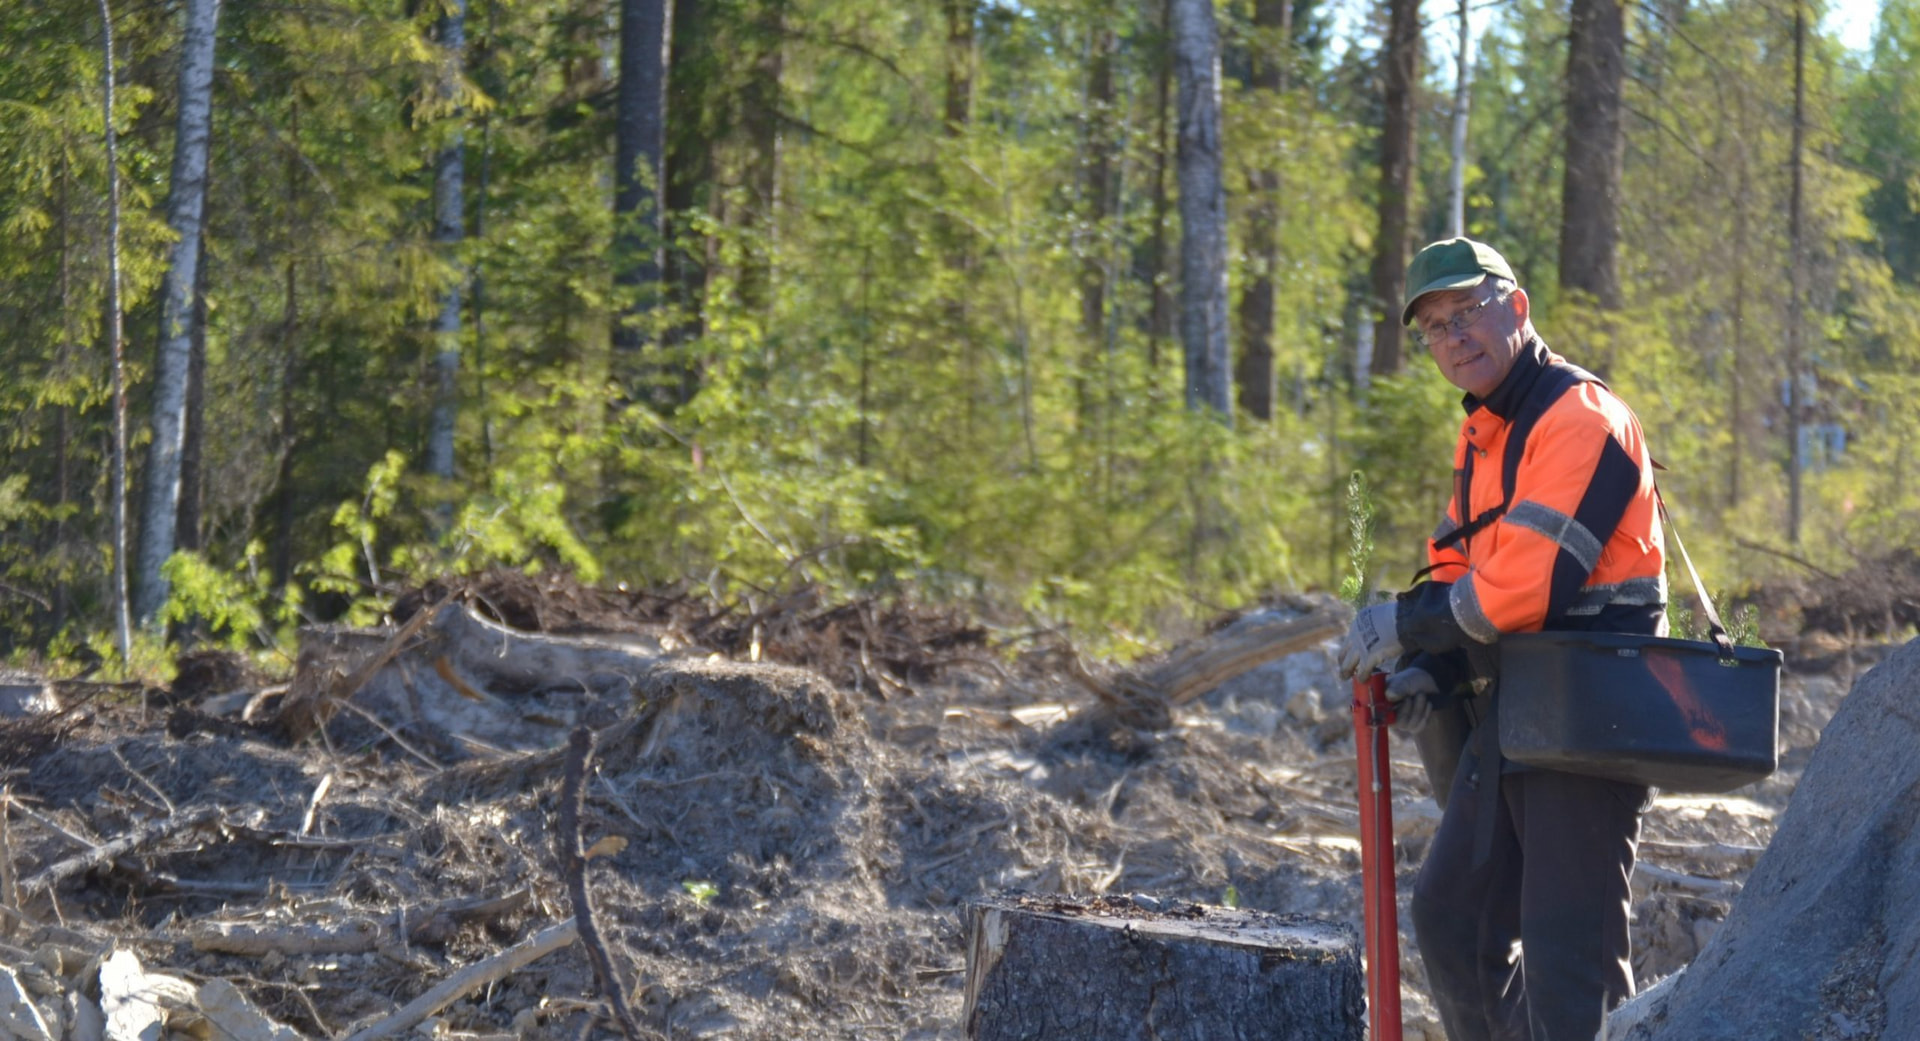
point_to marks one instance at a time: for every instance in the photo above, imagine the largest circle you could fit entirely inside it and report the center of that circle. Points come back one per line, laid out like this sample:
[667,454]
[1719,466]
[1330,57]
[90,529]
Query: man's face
[1478,357]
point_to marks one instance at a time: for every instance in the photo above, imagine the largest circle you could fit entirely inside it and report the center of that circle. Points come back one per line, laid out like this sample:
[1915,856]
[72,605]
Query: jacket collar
[1505,399]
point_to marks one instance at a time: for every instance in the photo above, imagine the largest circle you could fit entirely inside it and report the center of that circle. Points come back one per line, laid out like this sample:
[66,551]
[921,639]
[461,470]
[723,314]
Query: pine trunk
[761,118]
[1254,374]
[1798,385]
[1203,209]
[193,445]
[1738,355]
[1097,184]
[1590,193]
[186,208]
[688,168]
[646,26]
[1400,59]
[1160,302]
[63,414]
[116,347]
[1099,199]
[960,60]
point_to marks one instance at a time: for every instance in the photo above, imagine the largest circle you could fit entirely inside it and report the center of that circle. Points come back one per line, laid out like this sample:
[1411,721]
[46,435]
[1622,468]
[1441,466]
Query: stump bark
[1119,969]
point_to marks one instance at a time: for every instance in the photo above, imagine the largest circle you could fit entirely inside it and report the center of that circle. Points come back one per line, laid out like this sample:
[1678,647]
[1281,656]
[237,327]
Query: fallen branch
[1788,557]
[573,865]
[1241,647]
[1714,888]
[9,883]
[1721,851]
[432,925]
[386,845]
[523,769]
[98,856]
[1144,696]
[472,978]
[437,924]
[313,805]
[353,937]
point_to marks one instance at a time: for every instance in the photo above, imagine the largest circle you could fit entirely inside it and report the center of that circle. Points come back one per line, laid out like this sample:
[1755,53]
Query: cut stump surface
[1125,969]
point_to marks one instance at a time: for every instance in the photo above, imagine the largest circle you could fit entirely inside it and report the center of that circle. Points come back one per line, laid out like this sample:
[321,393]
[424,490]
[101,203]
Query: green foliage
[1404,440]
[882,374]
[1743,622]
[237,606]
[1356,587]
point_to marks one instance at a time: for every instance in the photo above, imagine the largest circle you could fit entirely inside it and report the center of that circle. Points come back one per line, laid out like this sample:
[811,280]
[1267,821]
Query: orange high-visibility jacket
[1578,545]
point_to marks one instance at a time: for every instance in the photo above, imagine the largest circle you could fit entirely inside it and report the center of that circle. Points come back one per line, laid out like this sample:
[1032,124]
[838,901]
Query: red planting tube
[1371,714]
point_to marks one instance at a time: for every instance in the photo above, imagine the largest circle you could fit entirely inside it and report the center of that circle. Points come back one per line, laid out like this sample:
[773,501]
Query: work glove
[1411,693]
[1372,639]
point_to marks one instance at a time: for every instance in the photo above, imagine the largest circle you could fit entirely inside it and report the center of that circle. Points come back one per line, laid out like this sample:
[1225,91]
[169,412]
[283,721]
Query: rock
[24,694]
[1824,940]
[236,1018]
[85,1021]
[1307,706]
[20,1018]
[135,1001]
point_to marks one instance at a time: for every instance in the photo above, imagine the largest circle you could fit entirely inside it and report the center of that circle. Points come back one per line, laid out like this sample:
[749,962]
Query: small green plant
[1354,588]
[1231,897]
[1743,624]
[701,890]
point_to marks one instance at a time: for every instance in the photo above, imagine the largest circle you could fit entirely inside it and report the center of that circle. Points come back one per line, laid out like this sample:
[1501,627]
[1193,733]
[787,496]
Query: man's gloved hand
[1372,639]
[1411,692]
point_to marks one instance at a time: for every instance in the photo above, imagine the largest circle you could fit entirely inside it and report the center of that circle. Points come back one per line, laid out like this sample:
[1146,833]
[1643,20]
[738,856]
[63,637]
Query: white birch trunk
[449,228]
[1203,209]
[186,213]
[1457,208]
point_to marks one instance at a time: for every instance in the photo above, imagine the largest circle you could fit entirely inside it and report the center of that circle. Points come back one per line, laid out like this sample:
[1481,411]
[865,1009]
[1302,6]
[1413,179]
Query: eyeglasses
[1440,332]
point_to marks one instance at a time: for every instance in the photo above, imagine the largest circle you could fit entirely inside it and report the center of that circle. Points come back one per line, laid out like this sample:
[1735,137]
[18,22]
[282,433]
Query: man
[1521,909]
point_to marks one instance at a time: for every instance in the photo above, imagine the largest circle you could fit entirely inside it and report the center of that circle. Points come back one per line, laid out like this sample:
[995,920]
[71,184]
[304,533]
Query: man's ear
[1522,307]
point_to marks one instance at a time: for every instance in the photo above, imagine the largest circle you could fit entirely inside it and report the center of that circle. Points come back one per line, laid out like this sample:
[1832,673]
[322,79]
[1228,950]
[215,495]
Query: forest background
[1068,306]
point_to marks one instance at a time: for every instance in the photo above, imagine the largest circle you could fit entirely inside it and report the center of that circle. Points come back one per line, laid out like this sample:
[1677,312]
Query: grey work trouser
[1530,945]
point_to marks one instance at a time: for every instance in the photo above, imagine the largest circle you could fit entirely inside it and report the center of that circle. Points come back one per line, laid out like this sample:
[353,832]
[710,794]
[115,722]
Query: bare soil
[798,837]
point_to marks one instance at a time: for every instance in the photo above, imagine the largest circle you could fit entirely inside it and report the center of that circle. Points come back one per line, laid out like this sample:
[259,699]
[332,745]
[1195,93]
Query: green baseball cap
[1451,264]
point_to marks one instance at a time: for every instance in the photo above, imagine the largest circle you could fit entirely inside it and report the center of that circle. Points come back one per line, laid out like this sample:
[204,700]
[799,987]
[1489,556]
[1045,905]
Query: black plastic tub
[1668,713]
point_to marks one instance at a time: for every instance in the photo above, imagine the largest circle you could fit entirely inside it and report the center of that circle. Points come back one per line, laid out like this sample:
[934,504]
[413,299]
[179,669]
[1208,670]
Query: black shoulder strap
[1558,378]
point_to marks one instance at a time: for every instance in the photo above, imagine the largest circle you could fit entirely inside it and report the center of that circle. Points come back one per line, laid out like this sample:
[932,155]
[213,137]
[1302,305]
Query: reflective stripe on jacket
[1579,544]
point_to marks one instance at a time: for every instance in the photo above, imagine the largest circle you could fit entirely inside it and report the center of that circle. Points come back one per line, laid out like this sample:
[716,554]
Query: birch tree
[449,228]
[1462,69]
[186,212]
[1203,208]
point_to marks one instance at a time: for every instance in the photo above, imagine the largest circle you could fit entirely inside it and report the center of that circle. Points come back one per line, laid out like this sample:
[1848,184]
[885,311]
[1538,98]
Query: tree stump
[1122,969]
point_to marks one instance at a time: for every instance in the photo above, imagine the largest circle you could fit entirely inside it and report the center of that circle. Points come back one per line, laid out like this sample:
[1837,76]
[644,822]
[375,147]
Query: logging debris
[775,849]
